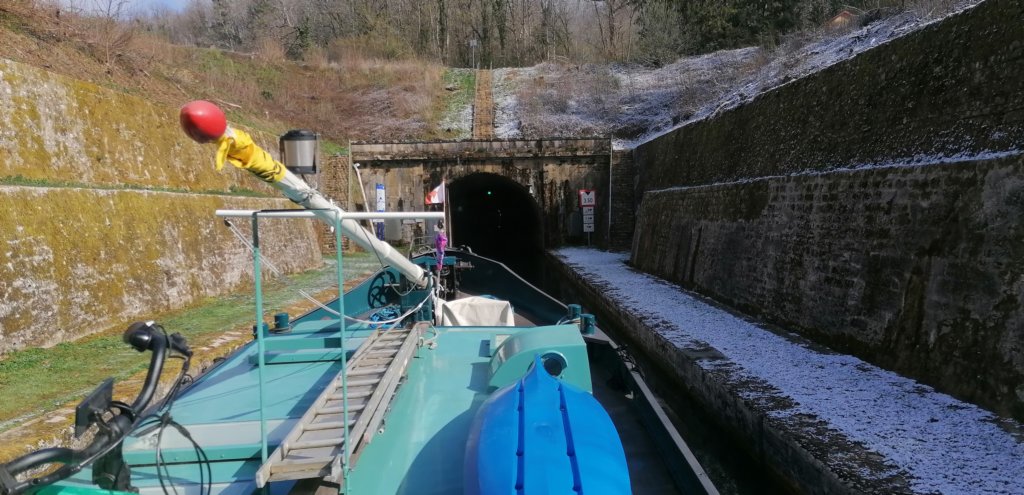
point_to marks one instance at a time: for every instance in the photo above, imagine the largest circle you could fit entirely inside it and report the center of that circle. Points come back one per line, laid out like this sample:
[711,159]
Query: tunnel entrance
[497,218]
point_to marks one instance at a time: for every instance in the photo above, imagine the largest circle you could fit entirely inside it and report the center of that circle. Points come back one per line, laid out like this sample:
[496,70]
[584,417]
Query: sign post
[588,202]
[378,225]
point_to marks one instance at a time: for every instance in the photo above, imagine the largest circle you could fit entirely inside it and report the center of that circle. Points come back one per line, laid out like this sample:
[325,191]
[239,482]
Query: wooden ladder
[315,446]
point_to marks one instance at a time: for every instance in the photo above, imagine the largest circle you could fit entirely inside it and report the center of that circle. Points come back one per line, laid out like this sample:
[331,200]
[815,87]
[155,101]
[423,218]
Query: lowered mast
[204,122]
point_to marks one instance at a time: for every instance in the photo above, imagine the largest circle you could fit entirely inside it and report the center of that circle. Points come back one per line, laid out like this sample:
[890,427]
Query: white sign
[588,227]
[588,210]
[588,219]
[588,197]
[381,204]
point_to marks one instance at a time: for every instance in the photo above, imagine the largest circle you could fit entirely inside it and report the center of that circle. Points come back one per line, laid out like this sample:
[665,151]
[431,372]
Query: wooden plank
[312,444]
[302,464]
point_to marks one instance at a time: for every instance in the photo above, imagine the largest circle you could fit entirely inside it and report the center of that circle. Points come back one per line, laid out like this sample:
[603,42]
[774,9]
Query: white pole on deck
[296,189]
[204,122]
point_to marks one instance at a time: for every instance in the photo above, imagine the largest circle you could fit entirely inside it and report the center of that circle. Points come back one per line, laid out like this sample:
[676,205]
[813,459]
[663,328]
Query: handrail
[356,215]
[261,362]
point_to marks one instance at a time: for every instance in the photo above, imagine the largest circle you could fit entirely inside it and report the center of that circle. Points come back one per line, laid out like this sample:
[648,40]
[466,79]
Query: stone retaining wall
[808,458]
[108,212]
[874,207]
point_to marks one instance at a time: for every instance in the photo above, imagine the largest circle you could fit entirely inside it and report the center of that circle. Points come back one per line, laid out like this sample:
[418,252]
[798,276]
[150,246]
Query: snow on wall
[635,103]
[943,91]
[942,444]
[872,207]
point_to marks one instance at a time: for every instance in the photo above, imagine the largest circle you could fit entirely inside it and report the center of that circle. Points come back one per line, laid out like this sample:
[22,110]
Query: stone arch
[497,217]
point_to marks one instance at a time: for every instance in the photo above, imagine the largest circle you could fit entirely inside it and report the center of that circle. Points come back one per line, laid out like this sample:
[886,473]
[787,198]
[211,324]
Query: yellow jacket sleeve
[238,148]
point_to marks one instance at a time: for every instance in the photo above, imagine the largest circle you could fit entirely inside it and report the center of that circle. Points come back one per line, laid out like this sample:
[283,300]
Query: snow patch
[914,161]
[644,103]
[945,445]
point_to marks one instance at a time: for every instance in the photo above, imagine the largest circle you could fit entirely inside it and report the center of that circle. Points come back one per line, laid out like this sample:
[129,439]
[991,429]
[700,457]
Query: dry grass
[270,51]
[346,92]
[568,100]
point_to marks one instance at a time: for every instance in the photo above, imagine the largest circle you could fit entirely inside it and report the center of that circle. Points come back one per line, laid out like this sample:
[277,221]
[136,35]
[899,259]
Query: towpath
[483,106]
[877,431]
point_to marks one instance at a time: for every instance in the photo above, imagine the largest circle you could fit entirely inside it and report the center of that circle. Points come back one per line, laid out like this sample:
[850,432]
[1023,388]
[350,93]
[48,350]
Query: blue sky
[141,6]
[172,4]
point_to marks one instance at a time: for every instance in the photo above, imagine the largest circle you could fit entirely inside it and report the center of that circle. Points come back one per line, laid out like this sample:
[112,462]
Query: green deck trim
[301,356]
[304,342]
[315,326]
[77,490]
[516,354]
[234,382]
[223,472]
[213,452]
[260,345]
[425,433]
[424,439]
[307,345]
[346,450]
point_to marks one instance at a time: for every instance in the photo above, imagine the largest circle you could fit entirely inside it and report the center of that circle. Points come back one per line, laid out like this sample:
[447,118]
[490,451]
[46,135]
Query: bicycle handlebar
[141,336]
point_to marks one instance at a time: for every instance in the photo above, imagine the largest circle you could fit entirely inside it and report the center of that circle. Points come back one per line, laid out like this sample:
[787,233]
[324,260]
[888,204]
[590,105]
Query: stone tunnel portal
[498,218]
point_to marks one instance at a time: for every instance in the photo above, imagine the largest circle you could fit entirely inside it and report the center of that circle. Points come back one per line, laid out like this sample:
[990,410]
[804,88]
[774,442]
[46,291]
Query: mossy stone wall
[108,212]
[58,129]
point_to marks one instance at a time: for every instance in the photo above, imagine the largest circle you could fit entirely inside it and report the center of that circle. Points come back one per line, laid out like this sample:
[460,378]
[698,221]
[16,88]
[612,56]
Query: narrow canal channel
[729,464]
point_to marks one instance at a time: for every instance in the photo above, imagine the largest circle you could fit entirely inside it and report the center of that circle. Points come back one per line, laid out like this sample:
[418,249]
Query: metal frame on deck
[338,217]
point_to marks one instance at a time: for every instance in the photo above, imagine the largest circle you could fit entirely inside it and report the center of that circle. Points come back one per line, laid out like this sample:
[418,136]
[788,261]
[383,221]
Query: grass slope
[341,95]
[44,380]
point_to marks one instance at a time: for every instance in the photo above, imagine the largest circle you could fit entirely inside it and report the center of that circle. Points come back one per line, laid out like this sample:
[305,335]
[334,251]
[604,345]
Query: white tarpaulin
[477,311]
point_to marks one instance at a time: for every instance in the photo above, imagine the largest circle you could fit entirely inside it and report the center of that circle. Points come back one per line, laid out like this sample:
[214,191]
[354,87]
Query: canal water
[729,464]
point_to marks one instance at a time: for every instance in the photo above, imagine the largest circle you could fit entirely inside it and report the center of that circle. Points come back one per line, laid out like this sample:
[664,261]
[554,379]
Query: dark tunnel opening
[497,218]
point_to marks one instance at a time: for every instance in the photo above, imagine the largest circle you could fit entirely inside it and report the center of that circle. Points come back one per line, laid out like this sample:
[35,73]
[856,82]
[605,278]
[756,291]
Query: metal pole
[447,201]
[359,177]
[611,158]
[295,189]
[297,213]
[448,225]
[344,357]
[259,334]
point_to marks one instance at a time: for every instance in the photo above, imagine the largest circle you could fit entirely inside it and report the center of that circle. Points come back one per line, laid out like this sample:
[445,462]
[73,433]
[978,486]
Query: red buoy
[203,121]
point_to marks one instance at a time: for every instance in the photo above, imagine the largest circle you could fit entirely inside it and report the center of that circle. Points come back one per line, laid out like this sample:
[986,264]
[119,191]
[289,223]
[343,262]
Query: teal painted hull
[420,446]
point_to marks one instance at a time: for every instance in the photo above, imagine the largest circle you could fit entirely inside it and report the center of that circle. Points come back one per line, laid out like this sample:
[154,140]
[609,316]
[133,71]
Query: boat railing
[337,216]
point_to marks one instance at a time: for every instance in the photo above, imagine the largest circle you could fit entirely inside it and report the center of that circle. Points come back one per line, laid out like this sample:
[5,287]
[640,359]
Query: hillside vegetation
[505,33]
[634,103]
[347,97]
[374,71]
